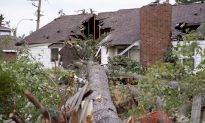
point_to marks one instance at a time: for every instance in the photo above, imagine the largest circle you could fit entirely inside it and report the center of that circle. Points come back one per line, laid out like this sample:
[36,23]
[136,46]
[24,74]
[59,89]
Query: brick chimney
[155,31]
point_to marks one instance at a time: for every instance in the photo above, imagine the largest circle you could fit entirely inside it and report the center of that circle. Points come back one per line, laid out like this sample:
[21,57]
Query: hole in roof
[200,9]
[47,37]
[58,31]
[187,27]
[196,14]
[74,36]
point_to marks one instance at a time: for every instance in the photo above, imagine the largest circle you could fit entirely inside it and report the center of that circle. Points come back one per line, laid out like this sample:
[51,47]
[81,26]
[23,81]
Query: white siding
[4,33]
[112,51]
[42,54]
[104,55]
[197,57]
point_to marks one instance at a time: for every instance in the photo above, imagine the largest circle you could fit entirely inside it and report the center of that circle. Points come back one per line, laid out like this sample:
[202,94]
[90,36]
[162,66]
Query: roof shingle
[125,24]
[58,30]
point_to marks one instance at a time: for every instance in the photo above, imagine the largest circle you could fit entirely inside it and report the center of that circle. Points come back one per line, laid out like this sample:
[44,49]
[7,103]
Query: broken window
[54,54]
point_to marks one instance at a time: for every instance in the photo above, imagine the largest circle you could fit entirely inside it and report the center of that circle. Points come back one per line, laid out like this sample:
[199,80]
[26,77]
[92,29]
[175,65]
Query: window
[119,50]
[54,54]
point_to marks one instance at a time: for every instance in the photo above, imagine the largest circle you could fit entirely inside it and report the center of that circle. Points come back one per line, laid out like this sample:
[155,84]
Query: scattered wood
[130,120]
[92,102]
[46,116]
[36,103]
[74,117]
[15,118]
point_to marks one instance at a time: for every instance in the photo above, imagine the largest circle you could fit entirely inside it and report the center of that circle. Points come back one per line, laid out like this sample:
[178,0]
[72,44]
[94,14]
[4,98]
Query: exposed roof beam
[128,48]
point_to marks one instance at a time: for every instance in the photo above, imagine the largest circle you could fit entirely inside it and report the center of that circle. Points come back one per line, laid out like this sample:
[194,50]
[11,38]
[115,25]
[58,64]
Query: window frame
[52,59]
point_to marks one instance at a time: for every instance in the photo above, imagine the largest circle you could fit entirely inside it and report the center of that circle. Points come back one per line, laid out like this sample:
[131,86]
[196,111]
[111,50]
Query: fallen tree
[92,102]
[104,109]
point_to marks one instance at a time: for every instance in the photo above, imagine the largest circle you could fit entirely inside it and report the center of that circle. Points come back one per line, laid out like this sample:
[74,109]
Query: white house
[45,43]
[5,30]
[131,32]
[47,56]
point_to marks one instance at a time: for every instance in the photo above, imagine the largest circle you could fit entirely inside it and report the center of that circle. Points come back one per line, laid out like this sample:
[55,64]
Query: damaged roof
[125,24]
[192,13]
[60,29]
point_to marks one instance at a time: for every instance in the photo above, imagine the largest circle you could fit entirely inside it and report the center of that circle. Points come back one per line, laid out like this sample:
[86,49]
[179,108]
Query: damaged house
[144,34]
[7,43]
[45,43]
[124,35]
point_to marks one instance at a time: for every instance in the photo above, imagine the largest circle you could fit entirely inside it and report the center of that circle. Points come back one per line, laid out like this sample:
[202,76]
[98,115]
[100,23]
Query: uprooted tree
[48,98]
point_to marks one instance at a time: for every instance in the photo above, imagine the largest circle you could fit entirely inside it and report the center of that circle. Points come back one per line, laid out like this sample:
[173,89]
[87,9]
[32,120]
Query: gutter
[11,51]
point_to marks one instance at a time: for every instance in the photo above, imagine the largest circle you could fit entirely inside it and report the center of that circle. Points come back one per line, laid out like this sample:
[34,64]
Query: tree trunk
[196,109]
[104,110]
[203,118]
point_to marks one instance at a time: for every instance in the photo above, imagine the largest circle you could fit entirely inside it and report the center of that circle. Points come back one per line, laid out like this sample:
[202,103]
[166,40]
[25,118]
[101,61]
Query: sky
[16,10]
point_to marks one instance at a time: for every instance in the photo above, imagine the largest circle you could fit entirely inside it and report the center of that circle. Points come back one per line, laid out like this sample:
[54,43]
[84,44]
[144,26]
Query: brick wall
[9,55]
[155,30]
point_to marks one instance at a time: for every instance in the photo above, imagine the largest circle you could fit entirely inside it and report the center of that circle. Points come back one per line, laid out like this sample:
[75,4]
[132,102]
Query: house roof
[187,13]
[125,24]
[4,28]
[7,43]
[60,29]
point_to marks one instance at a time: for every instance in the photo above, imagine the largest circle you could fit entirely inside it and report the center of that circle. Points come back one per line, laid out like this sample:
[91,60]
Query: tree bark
[104,110]
[196,109]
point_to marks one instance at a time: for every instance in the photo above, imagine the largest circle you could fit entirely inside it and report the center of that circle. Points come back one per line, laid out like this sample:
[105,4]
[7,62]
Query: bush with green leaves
[121,64]
[168,85]
[8,88]
[25,73]
[89,46]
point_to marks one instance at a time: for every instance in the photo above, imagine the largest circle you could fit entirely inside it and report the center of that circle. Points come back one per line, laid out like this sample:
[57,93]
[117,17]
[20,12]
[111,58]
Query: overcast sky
[15,10]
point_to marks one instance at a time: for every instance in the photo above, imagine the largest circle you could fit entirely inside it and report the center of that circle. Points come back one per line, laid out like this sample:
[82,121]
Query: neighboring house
[144,34]
[7,43]
[45,43]
[5,30]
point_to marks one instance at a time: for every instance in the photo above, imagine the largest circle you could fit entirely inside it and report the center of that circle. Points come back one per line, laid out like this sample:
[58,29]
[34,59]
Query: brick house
[144,34]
